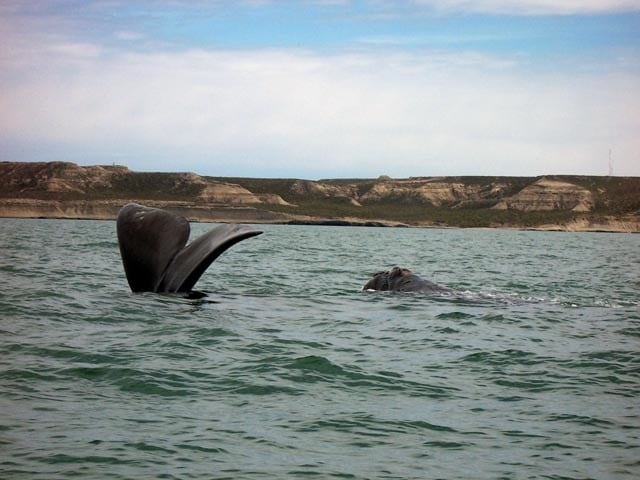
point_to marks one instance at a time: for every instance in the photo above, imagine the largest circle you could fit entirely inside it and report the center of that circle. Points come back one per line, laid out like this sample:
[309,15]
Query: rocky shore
[568,203]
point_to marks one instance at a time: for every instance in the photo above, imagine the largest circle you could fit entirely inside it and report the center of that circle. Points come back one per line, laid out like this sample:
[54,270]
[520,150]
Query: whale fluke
[152,245]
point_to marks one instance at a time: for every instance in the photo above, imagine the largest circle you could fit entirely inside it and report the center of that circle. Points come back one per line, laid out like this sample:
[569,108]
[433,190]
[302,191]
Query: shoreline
[548,203]
[338,222]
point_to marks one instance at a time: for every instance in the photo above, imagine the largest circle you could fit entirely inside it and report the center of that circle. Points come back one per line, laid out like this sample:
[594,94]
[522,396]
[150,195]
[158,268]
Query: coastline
[548,203]
[107,210]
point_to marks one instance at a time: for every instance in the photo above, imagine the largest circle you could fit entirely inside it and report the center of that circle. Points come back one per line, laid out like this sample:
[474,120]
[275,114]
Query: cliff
[66,190]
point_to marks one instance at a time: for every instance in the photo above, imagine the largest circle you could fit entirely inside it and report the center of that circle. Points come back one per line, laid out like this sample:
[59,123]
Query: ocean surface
[531,369]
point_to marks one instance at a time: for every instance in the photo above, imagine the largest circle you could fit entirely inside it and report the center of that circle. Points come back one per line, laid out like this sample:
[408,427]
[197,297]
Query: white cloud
[532,7]
[75,50]
[128,36]
[258,111]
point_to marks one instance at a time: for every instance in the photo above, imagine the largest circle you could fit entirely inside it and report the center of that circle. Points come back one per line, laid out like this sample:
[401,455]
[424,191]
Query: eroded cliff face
[437,192]
[56,177]
[66,190]
[543,195]
[68,181]
[547,195]
[325,190]
[226,193]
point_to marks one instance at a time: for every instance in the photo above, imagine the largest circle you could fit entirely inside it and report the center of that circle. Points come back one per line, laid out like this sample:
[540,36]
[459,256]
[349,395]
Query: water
[288,370]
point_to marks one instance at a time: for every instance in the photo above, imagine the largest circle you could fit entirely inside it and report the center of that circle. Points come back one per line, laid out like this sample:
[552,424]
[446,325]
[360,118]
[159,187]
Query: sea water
[286,369]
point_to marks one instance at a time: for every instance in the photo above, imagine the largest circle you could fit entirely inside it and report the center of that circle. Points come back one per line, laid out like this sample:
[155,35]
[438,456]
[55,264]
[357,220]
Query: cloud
[256,112]
[75,50]
[298,112]
[128,35]
[532,7]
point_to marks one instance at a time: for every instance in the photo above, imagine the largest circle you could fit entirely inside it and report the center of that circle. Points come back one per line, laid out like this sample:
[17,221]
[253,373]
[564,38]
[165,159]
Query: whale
[154,250]
[402,280]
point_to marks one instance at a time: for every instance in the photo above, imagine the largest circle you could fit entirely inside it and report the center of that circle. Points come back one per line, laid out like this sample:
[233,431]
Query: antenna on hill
[610,164]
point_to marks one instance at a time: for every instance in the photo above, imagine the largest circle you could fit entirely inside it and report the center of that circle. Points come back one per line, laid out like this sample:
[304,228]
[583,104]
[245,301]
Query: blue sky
[319,89]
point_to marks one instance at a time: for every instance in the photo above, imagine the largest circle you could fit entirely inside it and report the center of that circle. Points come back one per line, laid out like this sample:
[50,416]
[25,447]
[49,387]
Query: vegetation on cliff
[523,202]
[612,197]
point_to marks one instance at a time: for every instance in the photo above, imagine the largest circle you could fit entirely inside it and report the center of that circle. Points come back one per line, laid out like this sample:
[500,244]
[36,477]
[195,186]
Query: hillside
[66,190]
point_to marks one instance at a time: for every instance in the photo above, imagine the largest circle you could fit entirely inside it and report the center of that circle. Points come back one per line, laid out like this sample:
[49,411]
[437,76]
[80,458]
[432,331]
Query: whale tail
[154,250]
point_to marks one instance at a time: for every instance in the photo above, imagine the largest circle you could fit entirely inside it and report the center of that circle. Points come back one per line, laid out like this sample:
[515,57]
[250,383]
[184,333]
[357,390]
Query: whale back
[380,281]
[149,239]
[402,280]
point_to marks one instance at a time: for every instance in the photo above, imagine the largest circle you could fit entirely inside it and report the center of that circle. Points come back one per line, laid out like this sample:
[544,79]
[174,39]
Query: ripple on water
[287,369]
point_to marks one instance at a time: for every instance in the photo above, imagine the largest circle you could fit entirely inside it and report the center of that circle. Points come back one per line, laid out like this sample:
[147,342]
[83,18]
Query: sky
[324,88]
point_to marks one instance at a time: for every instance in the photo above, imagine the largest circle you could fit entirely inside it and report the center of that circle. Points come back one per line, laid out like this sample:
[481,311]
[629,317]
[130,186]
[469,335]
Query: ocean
[286,369]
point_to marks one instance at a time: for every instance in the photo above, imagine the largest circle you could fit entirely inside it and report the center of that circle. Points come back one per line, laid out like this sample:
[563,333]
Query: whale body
[402,280]
[154,250]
